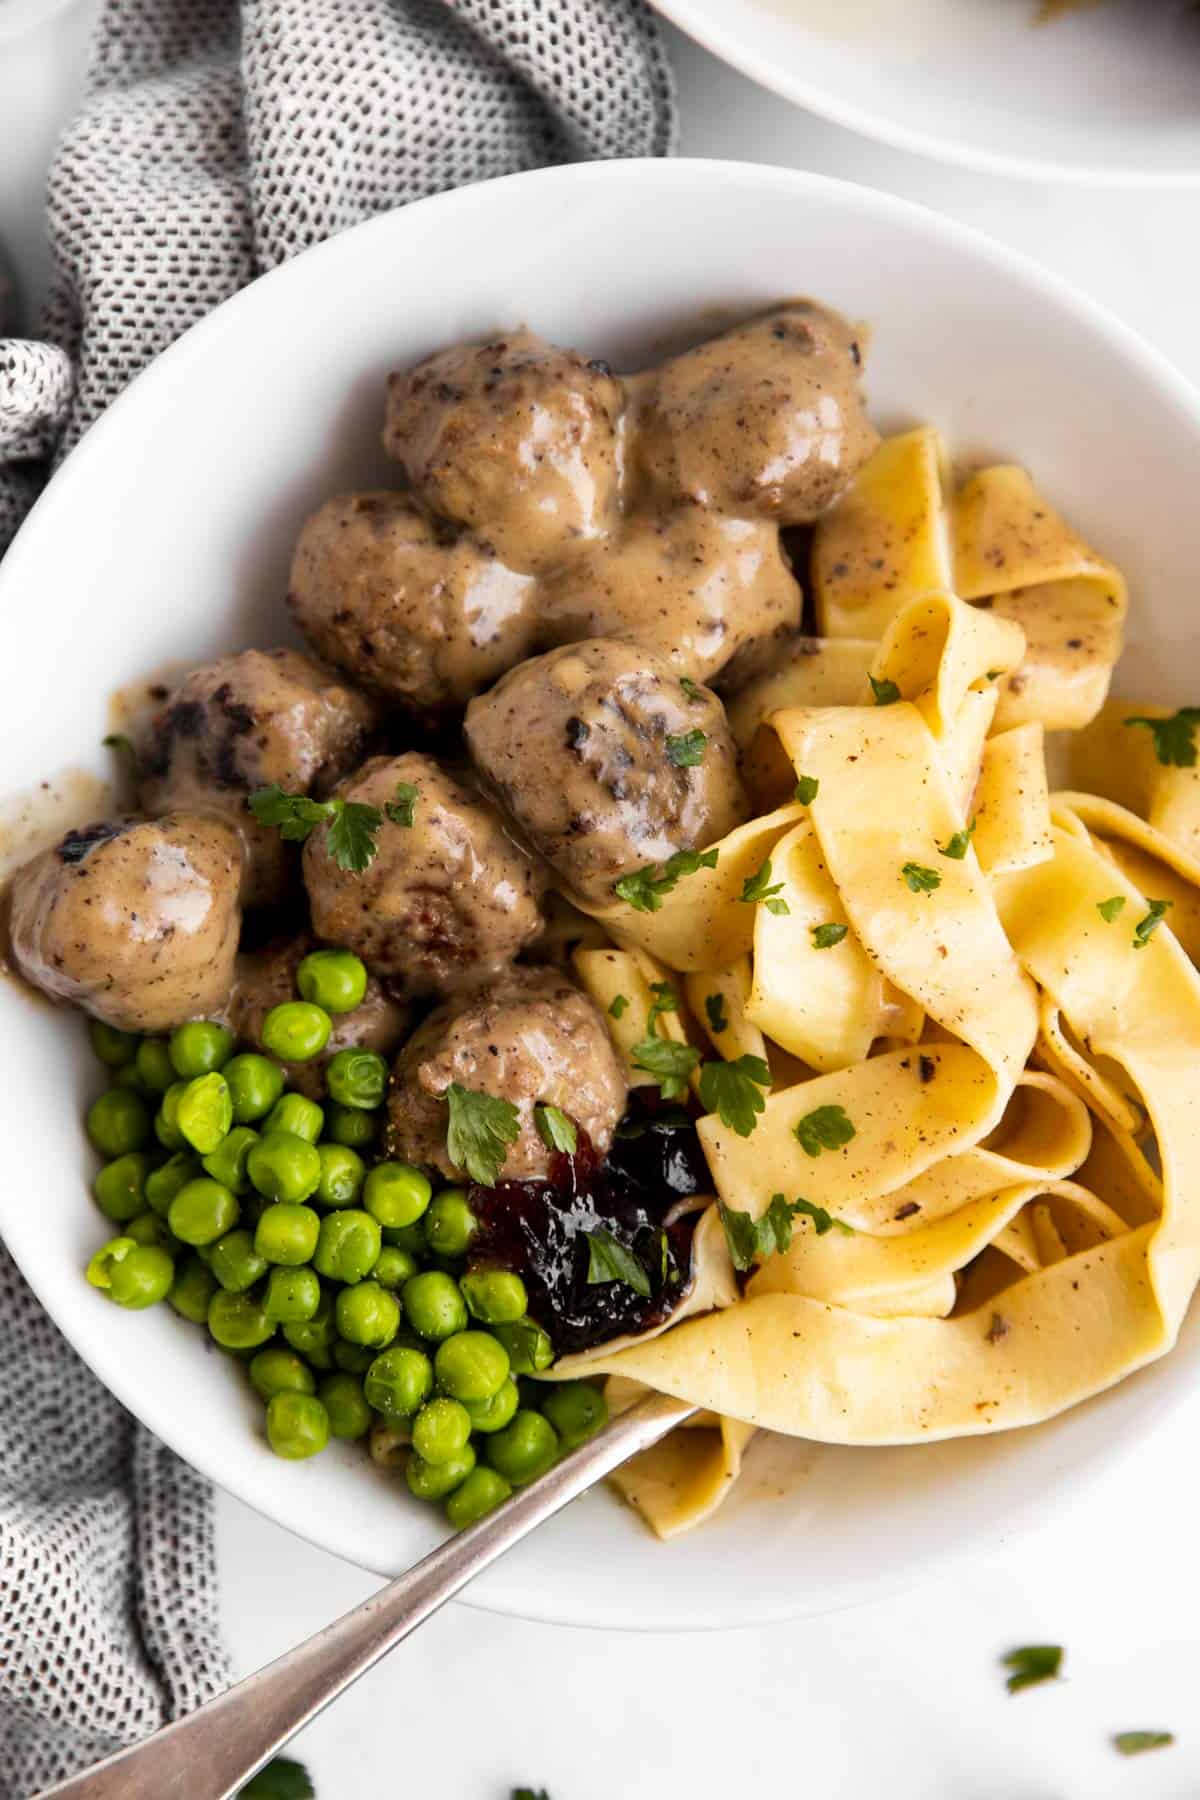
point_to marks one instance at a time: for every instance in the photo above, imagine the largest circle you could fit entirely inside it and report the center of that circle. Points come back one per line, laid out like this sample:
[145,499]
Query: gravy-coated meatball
[267,978]
[530,1036]
[447,901]
[246,721]
[586,749]
[767,419]
[516,438]
[135,920]
[414,610]
[697,588]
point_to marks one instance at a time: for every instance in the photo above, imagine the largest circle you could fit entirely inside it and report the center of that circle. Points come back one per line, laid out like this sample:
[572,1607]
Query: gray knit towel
[215,141]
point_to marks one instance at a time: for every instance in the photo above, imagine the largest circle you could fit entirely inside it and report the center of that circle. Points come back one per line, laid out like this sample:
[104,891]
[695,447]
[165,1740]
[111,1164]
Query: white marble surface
[904,1696]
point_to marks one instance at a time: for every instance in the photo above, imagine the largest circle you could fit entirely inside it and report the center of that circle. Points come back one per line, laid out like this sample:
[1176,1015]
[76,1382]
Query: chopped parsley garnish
[714,1012]
[554,1128]
[752,1240]
[353,825]
[691,688]
[886,692]
[665,1000]
[644,890]
[619,1007]
[827,1128]
[1132,1743]
[282,1779]
[919,879]
[733,1091]
[528,1794]
[959,844]
[479,1133]
[757,891]
[668,1062]
[1031,1664]
[1144,928]
[824,937]
[609,1260]
[807,789]
[993,674]
[124,746]
[1108,909]
[1174,738]
[687,750]
[401,810]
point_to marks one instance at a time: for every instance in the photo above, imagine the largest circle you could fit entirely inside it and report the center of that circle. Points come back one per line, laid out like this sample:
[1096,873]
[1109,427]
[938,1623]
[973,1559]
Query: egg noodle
[1004,1026]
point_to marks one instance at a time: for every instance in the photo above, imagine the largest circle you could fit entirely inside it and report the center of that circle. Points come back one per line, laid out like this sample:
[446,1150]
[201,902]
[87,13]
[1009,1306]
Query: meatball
[246,721]
[530,1036]
[767,419]
[591,749]
[515,438]
[414,610]
[697,588]
[135,920]
[447,900]
[266,978]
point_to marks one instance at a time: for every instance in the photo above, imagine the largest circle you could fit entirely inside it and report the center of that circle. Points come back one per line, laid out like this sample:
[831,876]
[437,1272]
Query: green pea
[481,1493]
[297,1114]
[357,1078]
[406,1237]
[342,1175]
[278,1371]
[494,1414]
[348,1245]
[236,1263]
[237,1321]
[441,1430]
[113,1048]
[129,1077]
[529,1347]
[355,1359]
[163,1183]
[342,1397]
[471,1366]
[345,1125]
[205,1112]
[153,1063]
[334,979]
[192,1290]
[227,1163]
[287,1234]
[525,1449]
[134,1275]
[434,1481]
[199,1047]
[296,1031]
[119,1121]
[450,1225]
[396,1194]
[291,1295]
[148,1228]
[367,1314]
[255,1084]
[434,1306]
[202,1211]
[576,1410]
[494,1296]
[314,1338]
[283,1166]
[398,1382]
[166,1119]
[119,1188]
[297,1425]
[393,1268]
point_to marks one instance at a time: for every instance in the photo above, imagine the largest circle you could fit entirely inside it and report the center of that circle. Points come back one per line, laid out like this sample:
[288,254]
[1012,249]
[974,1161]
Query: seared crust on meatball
[135,920]
[447,901]
[585,748]
[768,419]
[414,610]
[516,438]
[244,722]
[529,1037]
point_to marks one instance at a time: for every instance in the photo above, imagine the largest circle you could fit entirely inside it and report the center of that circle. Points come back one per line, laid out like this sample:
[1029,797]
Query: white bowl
[1107,94]
[167,534]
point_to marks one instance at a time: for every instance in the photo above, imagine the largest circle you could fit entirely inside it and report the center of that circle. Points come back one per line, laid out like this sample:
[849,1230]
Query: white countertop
[902,1697]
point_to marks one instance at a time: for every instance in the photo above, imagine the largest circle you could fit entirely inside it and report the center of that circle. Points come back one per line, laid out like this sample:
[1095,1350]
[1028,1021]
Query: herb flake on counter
[480,1130]
[353,825]
[644,890]
[691,688]
[1174,737]
[752,1240]
[956,849]
[824,937]
[554,1128]
[609,1260]
[687,750]
[1031,1664]
[714,1012]
[826,1128]
[733,1090]
[619,1007]
[670,1063]
[282,1779]
[756,891]
[1108,909]
[886,692]
[1145,928]
[920,880]
[1132,1743]
[807,789]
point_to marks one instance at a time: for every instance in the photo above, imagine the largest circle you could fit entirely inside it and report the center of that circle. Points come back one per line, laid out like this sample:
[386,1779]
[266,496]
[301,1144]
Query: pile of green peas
[336,1275]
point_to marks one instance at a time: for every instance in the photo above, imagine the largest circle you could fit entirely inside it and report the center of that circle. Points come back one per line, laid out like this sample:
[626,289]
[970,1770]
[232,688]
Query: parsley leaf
[919,879]
[124,746]
[528,1794]
[1108,909]
[714,1012]
[480,1130]
[886,692]
[668,1062]
[691,688]
[401,810]
[732,1090]
[282,1779]
[554,1128]
[619,1007]
[294,815]
[824,937]
[1174,738]
[752,1240]
[1153,919]
[827,1128]
[993,674]
[1132,1743]
[665,1000]
[644,890]
[807,789]
[1031,1664]
[687,751]
[609,1260]
[755,890]
[353,829]
[958,845]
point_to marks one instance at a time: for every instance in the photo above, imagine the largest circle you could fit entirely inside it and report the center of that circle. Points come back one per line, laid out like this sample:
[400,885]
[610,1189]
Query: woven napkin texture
[215,141]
